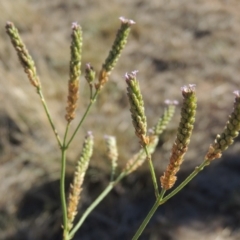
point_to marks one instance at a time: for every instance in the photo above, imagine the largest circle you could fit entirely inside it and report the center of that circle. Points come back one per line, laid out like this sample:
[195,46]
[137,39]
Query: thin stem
[83,118]
[39,91]
[155,185]
[62,184]
[186,181]
[90,208]
[146,221]
[149,216]
[62,191]
[162,194]
[65,136]
[106,191]
[97,201]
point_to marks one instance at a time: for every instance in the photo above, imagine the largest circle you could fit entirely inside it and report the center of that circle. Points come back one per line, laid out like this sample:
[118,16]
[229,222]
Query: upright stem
[153,175]
[62,185]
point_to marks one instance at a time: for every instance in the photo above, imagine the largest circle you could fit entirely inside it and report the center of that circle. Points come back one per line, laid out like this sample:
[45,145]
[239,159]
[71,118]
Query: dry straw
[183,137]
[74,71]
[79,174]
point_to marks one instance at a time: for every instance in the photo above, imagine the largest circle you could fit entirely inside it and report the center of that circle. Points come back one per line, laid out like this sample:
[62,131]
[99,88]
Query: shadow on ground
[210,203]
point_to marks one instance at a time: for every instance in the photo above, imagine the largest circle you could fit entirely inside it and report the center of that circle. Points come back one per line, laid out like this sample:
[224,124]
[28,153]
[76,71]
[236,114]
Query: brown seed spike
[23,55]
[79,174]
[181,143]
[74,71]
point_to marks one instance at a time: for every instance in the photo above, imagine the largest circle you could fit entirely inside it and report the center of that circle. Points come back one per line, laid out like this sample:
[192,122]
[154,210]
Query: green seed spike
[165,119]
[90,74]
[115,52]
[119,44]
[230,132]
[139,119]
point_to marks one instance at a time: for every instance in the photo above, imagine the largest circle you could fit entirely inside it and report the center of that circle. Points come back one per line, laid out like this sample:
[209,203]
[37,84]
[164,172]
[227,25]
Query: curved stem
[39,91]
[153,175]
[83,118]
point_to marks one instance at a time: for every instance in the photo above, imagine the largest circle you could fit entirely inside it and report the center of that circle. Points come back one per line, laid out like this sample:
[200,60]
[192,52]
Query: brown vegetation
[173,43]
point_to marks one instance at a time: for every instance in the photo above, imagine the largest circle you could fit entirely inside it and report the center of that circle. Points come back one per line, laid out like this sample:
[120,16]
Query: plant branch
[83,117]
[153,175]
[62,184]
[186,181]
[105,192]
[39,91]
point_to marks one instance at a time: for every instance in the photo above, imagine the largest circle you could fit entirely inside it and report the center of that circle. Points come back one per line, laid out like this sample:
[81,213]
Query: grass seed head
[23,55]
[112,152]
[230,132]
[184,133]
[74,72]
[139,119]
[165,118]
[79,174]
[90,74]
[115,52]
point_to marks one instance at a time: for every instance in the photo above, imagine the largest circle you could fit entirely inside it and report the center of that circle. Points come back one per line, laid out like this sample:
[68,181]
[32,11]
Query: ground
[173,43]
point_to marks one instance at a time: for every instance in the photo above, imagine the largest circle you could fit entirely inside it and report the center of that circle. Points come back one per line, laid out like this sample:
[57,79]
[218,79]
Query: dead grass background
[173,43]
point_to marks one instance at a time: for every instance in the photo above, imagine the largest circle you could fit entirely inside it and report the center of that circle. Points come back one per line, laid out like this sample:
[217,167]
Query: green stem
[149,216]
[98,200]
[186,181]
[62,192]
[106,191]
[39,91]
[83,118]
[146,221]
[162,200]
[153,175]
[62,185]
[162,194]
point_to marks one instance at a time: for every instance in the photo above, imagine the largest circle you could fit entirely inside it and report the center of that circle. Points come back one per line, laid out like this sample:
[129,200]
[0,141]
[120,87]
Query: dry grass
[173,43]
